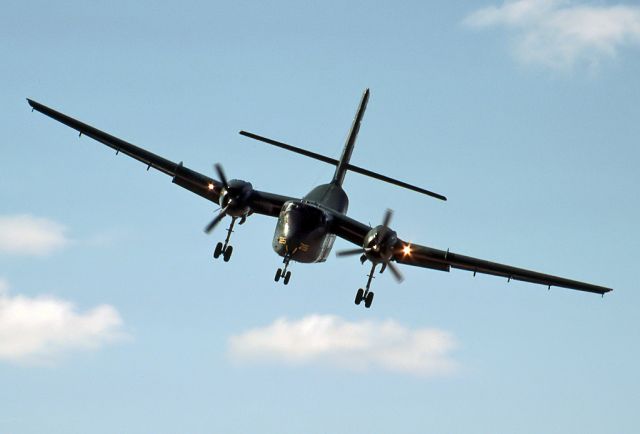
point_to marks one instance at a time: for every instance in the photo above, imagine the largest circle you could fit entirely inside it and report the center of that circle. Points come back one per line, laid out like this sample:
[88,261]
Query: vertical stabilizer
[341,169]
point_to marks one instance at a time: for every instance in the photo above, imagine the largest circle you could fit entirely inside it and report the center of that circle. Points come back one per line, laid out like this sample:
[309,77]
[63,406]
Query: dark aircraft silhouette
[307,227]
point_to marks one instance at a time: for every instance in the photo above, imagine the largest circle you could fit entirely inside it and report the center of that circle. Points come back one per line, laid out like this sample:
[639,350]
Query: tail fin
[343,164]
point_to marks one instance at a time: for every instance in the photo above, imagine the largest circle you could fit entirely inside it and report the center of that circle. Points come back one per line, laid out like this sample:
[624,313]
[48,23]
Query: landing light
[406,249]
[210,186]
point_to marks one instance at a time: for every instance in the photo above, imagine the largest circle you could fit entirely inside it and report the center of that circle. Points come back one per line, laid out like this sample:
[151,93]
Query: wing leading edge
[202,185]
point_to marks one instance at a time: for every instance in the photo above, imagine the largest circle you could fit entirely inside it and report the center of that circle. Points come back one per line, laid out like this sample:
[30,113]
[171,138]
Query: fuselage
[304,229]
[303,232]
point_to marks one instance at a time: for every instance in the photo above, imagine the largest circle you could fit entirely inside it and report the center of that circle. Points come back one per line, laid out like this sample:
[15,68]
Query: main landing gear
[225,249]
[366,294]
[286,275]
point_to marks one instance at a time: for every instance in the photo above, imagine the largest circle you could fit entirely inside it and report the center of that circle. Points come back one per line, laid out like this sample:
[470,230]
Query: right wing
[202,185]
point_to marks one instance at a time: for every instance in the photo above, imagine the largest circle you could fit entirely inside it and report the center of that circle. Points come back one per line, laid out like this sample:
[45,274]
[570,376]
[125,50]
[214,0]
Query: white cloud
[353,345]
[29,235]
[561,34]
[37,329]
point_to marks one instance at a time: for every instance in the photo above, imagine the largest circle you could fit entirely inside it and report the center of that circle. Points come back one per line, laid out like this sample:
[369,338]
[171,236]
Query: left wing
[349,229]
[202,185]
[422,256]
[427,257]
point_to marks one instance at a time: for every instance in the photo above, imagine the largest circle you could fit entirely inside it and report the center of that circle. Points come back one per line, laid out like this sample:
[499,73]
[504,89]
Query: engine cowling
[379,244]
[234,198]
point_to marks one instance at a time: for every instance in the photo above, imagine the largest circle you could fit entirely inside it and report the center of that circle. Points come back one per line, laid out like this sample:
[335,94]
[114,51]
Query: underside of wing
[202,185]
[148,158]
[191,180]
[422,256]
[349,229]
[268,204]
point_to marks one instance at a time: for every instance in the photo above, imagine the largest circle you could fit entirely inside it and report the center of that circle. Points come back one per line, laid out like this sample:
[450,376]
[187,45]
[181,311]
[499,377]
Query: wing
[202,185]
[427,257]
[348,228]
[422,256]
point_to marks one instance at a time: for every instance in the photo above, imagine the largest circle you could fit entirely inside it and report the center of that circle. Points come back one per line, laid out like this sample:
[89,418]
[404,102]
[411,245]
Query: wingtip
[439,196]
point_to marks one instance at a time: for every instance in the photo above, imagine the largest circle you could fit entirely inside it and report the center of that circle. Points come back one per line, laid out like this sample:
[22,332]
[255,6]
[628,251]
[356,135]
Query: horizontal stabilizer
[290,148]
[335,162]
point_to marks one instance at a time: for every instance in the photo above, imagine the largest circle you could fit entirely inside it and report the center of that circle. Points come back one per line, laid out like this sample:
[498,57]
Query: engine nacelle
[379,244]
[235,198]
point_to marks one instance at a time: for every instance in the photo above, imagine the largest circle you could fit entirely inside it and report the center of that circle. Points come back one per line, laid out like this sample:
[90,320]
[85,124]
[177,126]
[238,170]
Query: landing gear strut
[286,275]
[366,294]
[225,249]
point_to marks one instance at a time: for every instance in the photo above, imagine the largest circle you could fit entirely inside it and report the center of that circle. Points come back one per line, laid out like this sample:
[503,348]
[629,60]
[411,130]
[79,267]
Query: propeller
[394,270]
[387,218]
[217,219]
[233,199]
[350,252]
[221,176]
[378,246]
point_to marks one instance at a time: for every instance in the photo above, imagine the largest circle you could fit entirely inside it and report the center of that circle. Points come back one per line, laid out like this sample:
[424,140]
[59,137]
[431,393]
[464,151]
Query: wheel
[227,253]
[278,274]
[217,251]
[359,295]
[287,277]
[369,300]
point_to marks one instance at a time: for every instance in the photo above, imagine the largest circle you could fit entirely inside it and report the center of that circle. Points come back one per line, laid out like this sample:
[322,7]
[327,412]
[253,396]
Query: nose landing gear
[366,294]
[225,249]
[286,275]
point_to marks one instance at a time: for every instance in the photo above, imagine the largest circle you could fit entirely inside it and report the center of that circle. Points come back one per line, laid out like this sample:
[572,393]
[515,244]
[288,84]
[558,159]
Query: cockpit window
[291,205]
[304,217]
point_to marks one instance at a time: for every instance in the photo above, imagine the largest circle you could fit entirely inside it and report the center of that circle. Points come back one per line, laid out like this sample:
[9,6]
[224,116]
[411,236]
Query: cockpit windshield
[304,217]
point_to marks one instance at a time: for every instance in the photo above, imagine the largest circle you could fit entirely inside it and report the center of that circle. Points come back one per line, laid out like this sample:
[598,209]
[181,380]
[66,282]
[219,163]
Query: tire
[227,253]
[217,251]
[359,296]
[287,277]
[278,274]
[369,300]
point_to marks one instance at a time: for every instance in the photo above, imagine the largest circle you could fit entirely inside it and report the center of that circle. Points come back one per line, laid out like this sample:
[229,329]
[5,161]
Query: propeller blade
[387,218]
[216,220]
[396,273]
[350,252]
[221,176]
[214,223]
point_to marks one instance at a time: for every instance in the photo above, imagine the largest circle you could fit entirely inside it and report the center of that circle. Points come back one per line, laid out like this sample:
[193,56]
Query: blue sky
[114,317]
